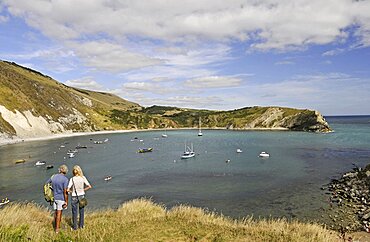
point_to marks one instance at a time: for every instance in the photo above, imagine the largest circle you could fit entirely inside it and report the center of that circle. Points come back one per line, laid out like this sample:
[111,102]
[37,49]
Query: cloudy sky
[213,54]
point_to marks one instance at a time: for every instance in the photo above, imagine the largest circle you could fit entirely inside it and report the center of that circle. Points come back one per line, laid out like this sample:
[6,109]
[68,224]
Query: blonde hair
[63,169]
[77,171]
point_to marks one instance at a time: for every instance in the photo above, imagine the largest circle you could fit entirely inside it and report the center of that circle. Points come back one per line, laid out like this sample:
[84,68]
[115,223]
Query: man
[59,183]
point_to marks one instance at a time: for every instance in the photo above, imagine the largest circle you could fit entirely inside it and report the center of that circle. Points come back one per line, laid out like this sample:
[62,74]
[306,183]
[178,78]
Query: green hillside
[27,90]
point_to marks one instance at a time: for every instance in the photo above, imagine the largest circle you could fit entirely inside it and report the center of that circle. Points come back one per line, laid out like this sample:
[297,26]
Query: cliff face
[35,105]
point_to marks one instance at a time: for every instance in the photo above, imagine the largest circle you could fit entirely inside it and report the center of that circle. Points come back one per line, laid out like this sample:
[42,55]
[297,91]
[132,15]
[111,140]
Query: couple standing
[77,186]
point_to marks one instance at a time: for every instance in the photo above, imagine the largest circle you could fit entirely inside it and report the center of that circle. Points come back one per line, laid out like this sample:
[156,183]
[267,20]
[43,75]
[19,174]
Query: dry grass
[142,220]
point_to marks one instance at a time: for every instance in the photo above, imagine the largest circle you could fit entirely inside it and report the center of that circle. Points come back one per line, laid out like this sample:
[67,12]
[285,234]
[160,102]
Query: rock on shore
[349,200]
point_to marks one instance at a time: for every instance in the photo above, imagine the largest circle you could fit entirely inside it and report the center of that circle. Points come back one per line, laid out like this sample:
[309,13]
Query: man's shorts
[58,204]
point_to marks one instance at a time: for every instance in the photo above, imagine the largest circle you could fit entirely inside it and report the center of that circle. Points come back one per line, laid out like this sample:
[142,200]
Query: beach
[15,140]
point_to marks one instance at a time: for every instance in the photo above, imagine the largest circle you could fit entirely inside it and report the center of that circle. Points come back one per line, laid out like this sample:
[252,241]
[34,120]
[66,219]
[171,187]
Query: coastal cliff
[35,105]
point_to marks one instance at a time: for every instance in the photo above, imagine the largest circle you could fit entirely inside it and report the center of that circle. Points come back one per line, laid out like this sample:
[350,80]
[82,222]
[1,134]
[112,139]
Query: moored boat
[20,161]
[49,167]
[264,154]
[144,150]
[200,128]
[108,178]
[71,155]
[40,163]
[188,152]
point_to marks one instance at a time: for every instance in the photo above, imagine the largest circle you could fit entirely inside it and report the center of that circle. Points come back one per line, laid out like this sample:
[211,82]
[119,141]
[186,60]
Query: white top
[79,182]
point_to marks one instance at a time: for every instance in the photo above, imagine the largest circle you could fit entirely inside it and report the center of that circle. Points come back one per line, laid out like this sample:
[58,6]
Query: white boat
[4,201]
[264,154]
[165,134]
[239,151]
[200,128]
[106,140]
[40,163]
[71,155]
[98,142]
[188,153]
[108,178]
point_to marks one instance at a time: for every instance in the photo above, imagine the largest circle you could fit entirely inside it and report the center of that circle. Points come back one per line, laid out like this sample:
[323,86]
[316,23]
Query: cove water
[287,184]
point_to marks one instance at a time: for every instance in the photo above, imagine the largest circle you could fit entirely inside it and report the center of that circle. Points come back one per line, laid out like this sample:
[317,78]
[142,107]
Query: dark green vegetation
[24,89]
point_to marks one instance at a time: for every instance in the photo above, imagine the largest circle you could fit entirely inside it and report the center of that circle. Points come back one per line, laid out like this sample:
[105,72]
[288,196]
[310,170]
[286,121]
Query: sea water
[287,184]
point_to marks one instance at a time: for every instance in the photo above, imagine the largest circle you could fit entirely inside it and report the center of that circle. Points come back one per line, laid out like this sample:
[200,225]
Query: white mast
[200,127]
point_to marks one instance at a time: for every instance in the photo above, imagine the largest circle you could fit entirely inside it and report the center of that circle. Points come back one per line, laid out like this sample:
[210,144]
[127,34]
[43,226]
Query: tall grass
[143,220]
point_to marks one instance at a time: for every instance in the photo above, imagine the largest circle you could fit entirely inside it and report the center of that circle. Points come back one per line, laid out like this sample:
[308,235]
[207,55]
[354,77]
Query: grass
[143,220]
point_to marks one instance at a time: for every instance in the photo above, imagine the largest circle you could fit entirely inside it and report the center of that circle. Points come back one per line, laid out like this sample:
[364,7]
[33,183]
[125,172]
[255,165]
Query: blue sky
[209,54]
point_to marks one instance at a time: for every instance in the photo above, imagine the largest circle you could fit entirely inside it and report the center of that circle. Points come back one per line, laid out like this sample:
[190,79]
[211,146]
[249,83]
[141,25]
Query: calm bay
[287,184]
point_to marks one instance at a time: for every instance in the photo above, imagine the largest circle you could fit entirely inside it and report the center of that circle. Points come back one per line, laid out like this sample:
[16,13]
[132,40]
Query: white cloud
[156,88]
[189,63]
[199,102]
[213,82]
[3,19]
[46,53]
[107,56]
[322,92]
[269,24]
[85,83]
[334,52]
[284,63]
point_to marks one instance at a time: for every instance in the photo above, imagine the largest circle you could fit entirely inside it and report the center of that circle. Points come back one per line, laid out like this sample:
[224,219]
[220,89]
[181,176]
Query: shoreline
[17,140]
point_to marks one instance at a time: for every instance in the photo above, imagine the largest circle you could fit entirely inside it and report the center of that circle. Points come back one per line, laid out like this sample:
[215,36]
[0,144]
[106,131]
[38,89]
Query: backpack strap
[75,189]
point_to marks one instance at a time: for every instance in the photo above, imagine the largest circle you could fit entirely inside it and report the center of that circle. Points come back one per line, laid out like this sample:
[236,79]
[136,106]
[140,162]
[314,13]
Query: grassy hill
[142,220]
[25,90]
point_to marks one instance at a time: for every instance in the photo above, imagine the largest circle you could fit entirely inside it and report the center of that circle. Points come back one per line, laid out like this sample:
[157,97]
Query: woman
[77,186]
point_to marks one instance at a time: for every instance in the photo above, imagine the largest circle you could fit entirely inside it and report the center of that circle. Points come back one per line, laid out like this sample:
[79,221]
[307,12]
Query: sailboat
[189,152]
[200,128]
[165,133]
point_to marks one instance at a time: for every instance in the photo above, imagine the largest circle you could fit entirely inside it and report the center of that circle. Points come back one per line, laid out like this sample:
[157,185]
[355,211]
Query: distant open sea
[285,185]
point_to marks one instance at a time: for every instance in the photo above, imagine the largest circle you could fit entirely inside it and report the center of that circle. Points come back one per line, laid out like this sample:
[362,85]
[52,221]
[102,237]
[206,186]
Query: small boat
[188,153]
[62,146]
[227,161]
[98,142]
[106,140]
[20,161]
[239,151]
[71,154]
[264,154]
[4,201]
[200,127]
[81,147]
[108,178]
[40,163]
[164,135]
[144,150]
[49,167]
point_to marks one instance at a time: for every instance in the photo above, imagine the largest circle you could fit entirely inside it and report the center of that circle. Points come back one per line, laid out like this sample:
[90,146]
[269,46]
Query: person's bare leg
[58,219]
